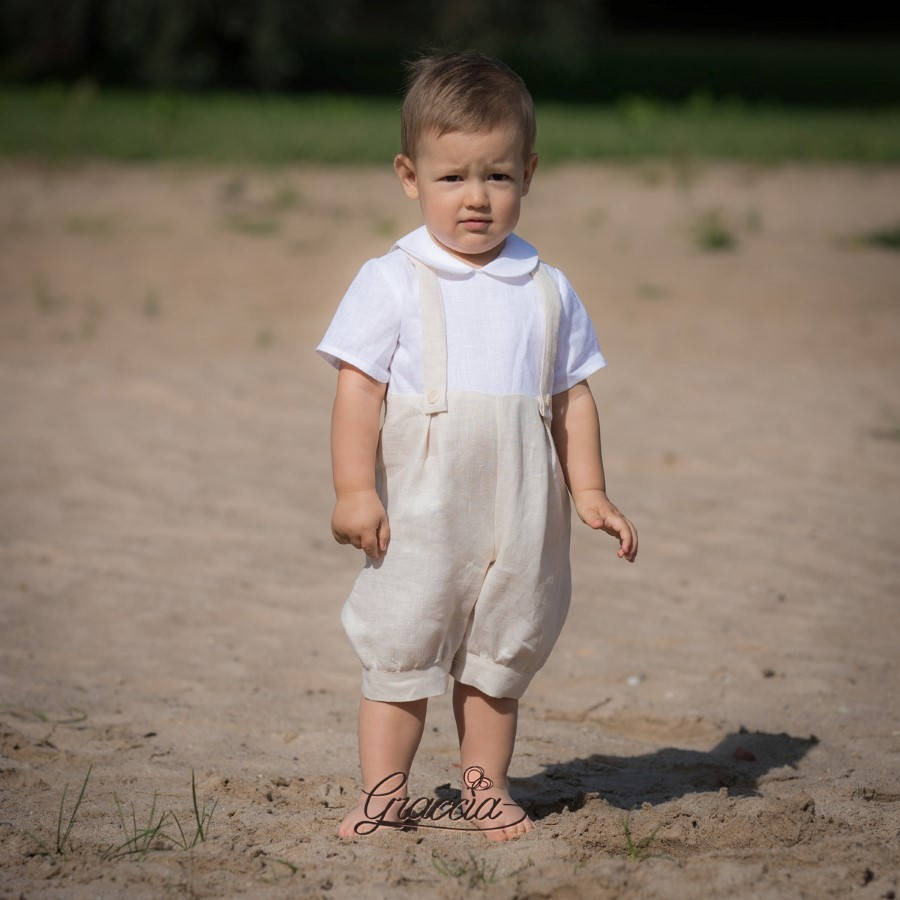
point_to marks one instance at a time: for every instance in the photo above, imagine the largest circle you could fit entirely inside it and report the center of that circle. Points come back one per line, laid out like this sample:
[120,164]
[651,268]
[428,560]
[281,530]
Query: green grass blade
[149,826]
[59,820]
[121,814]
[196,812]
[209,815]
[294,868]
[77,804]
[183,843]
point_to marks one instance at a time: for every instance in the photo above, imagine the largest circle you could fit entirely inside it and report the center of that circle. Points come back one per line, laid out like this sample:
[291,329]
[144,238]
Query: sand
[171,590]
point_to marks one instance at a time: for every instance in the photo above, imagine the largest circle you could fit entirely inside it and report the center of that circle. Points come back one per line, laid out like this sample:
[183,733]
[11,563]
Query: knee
[462,690]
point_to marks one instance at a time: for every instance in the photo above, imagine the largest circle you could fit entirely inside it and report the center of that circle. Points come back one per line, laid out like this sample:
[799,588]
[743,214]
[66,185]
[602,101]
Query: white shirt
[494,321]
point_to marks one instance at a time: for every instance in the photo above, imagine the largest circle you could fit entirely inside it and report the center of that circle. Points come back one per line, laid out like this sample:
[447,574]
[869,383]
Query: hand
[594,508]
[359,518]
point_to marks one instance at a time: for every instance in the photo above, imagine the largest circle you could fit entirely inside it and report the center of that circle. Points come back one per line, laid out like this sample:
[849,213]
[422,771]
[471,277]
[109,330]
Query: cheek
[511,204]
[443,204]
[437,208]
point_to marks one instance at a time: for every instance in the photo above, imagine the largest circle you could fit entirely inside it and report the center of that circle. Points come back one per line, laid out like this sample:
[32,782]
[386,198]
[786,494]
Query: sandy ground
[171,590]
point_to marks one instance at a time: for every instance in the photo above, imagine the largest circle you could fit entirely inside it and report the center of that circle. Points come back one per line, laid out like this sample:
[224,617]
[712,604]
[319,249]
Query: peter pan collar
[517,258]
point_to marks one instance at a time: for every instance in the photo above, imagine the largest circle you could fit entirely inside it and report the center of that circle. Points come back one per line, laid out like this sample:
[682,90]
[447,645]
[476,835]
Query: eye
[451,178]
[500,176]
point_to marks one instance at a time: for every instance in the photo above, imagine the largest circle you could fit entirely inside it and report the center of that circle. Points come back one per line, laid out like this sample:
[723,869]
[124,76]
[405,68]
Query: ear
[530,166]
[406,172]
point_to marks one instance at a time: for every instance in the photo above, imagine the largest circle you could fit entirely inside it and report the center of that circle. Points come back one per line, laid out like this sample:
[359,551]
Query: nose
[476,194]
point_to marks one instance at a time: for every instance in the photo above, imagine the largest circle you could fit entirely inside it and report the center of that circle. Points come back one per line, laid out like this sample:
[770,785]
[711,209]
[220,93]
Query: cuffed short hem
[491,678]
[397,687]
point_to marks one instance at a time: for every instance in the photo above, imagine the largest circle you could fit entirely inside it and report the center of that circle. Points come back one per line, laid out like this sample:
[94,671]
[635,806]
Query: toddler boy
[478,352]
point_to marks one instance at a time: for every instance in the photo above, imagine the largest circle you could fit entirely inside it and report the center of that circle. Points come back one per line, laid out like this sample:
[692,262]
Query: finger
[628,548]
[384,534]
[619,527]
[370,543]
[625,539]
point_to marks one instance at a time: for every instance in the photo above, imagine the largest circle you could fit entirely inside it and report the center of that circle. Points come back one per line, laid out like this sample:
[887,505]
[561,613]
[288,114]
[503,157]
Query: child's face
[469,187]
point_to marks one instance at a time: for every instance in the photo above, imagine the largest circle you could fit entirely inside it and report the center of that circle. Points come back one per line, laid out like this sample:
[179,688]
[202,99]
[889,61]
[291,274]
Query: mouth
[476,224]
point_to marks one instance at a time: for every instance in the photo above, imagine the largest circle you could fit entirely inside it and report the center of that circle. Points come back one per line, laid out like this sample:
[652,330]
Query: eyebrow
[508,161]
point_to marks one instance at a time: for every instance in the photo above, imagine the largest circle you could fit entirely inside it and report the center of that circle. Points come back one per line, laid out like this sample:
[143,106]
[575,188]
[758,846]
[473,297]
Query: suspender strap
[434,340]
[550,295]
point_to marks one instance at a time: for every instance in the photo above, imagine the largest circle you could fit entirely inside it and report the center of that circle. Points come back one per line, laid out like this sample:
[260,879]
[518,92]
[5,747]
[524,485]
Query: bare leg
[487,736]
[389,735]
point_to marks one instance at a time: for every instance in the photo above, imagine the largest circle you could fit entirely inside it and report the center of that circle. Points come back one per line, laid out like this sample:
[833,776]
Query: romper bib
[476,581]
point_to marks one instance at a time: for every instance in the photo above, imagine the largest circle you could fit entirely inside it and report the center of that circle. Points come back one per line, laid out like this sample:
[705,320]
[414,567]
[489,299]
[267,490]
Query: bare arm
[576,433]
[359,517]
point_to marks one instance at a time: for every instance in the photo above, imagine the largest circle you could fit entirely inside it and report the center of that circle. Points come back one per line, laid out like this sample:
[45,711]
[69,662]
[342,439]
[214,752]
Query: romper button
[432,396]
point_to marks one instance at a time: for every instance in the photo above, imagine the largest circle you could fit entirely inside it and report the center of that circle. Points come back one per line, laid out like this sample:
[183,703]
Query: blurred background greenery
[282,80]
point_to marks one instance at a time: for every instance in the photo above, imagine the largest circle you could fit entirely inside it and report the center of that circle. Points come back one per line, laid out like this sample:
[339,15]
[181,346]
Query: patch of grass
[46,300]
[292,867]
[93,313]
[233,188]
[891,433]
[283,198]
[58,122]
[650,174]
[337,213]
[257,216]
[75,715]
[594,218]
[641,849]
[154,835]
[384,227]
[884,238]
[139,840]
[91,226]
[62,836]
[648,291]
[753,220]
[150,307]
[202,817]
[253,224]
[474,869]
[711,232]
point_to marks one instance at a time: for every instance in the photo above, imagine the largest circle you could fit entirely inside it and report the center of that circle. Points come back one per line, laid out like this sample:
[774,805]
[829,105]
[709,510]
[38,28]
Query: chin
[480,247]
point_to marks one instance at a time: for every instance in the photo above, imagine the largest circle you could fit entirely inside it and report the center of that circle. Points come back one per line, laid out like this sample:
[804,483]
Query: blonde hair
[465,91]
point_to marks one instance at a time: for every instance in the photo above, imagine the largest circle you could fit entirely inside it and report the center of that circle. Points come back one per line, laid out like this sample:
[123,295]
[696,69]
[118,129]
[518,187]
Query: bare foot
[497,814]
[381,814]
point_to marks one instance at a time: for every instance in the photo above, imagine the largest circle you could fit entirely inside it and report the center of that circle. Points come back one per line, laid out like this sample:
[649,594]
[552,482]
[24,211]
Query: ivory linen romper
[475,582]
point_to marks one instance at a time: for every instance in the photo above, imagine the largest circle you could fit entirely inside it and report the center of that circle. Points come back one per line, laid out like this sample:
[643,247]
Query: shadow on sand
[737,762]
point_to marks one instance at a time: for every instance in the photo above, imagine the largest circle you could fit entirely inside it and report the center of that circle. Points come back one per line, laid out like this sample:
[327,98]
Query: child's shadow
[736,762]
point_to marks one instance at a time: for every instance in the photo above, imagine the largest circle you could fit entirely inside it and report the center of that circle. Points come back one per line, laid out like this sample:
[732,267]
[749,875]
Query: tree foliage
[564,49]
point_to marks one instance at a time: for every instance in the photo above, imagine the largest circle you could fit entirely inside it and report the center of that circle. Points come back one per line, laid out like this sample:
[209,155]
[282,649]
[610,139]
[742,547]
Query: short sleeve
[578,353]
[366,325]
